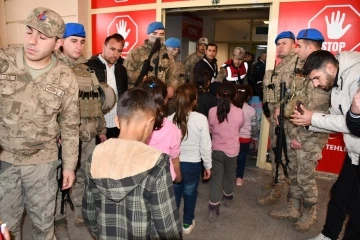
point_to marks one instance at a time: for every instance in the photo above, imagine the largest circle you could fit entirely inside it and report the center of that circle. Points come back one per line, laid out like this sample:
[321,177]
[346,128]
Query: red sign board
[338,21]
[333,154]
[192,27]
[131,25]
[117,3]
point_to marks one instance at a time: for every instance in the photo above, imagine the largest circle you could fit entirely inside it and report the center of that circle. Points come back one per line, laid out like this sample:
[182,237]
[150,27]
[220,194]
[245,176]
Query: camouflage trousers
[302,175]
[77,191]
[33,187]
[273,138]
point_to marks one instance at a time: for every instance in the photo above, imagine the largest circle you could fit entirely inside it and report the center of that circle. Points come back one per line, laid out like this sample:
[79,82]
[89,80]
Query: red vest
[234,73]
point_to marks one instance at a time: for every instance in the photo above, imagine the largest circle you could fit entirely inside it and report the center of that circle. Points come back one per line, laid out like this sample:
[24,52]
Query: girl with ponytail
[166,137]
[225,122]
[195,145]
[249,132]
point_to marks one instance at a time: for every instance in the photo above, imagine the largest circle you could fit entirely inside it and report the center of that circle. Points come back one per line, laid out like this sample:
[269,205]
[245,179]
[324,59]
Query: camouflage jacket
[94,123]
[134,61]
[284,71]
[34,112]
[189,64]
[175,74]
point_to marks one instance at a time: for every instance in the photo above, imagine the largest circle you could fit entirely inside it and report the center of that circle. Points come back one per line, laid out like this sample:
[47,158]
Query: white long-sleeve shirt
[196,145]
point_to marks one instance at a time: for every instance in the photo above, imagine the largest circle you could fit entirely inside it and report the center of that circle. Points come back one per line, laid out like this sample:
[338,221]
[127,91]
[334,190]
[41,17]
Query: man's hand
[68,179]
[295,145]
[355,106]
[102,137]
[276,115]
[302,119]
[207,174]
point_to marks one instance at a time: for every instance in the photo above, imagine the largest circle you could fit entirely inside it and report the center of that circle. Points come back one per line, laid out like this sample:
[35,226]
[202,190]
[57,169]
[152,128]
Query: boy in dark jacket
[128,190]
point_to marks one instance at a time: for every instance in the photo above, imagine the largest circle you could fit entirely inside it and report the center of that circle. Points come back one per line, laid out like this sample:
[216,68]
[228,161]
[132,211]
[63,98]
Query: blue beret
[154,26]
[74,29]
[311,34]
[172,42]
[285,34]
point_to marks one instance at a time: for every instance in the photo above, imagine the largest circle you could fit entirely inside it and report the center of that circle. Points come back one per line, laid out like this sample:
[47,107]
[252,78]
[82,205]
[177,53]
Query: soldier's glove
[266,109]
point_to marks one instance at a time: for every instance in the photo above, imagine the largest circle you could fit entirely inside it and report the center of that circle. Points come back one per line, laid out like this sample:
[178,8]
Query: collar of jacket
[69,61]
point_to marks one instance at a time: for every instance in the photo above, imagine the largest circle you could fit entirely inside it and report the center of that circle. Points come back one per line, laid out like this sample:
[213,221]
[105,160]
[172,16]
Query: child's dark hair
[158,90]
[202,79]
[243,94]
[226,93]
[185,97]
[135,99]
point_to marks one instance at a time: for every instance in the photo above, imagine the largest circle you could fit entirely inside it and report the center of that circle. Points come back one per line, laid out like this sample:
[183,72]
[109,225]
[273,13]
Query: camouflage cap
[46,21]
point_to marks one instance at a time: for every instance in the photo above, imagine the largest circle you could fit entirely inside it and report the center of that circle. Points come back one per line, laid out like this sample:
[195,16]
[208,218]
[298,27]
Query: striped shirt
[111,81]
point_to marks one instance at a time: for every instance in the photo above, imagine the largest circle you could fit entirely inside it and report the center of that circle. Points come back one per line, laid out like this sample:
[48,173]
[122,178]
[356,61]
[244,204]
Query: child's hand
[207,174]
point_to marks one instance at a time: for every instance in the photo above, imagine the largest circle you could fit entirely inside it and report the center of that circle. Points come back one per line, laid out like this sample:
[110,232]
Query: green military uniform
[284,71]
[33,114]
[134,61]
[189,64]
[92,123]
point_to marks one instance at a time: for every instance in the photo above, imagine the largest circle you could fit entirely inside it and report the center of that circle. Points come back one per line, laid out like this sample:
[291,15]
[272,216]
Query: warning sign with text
[338,21]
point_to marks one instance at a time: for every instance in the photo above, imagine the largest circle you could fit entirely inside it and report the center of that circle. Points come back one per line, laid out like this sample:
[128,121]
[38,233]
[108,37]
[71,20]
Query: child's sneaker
[239,181]
[214,212]
[187,229]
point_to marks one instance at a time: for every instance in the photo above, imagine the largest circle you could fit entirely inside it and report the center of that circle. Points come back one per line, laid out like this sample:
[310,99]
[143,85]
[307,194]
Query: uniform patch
[53,90]
[7,77]
[4,65]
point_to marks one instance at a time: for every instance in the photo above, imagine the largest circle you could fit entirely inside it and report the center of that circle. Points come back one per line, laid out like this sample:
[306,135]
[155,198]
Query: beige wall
[15,11]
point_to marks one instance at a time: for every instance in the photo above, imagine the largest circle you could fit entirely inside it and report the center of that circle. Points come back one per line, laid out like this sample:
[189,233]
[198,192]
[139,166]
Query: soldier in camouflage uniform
[235,69]
[174,74]
[134,60]
[92,121]
[304,147]
[284,71]
[39,100]
[193,58]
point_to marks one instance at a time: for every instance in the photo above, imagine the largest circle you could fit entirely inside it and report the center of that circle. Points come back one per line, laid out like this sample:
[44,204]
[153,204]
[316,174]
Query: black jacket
[202,65]
[205,101]
[99,67]
[353,124]
[258,72]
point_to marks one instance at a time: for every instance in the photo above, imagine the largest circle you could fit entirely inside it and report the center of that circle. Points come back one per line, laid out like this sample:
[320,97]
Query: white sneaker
[187,229]
[320,237]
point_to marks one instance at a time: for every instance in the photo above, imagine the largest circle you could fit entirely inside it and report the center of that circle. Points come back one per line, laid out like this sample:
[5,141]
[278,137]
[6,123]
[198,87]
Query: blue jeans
[188,189]
[241,159]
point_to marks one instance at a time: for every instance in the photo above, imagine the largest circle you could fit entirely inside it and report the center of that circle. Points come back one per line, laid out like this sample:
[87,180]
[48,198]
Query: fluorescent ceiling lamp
[266,22]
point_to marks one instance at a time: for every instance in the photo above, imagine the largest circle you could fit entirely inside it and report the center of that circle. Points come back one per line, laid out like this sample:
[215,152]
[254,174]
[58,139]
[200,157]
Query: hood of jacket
[118,166]
[347,60]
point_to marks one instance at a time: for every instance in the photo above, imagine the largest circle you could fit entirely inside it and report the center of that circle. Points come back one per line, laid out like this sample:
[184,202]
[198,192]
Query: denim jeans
[187,189]
[241,159]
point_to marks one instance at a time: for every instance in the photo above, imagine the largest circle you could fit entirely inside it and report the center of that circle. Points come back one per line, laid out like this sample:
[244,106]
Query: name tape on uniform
[7,77]
[54,90]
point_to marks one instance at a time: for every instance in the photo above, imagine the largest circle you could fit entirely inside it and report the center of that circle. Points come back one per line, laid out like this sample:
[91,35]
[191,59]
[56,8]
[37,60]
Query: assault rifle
[281,146]
[65,194]
[146,67]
